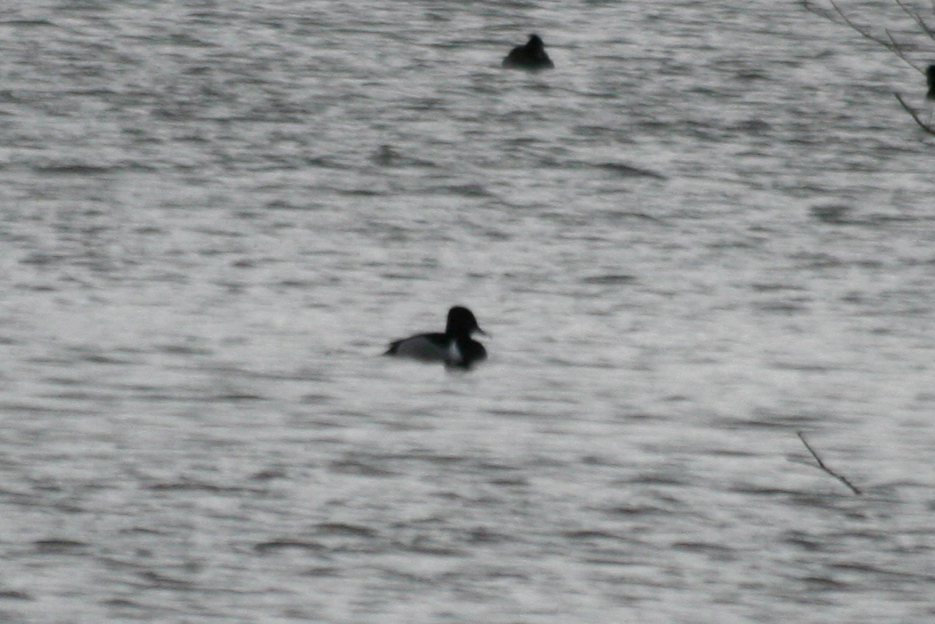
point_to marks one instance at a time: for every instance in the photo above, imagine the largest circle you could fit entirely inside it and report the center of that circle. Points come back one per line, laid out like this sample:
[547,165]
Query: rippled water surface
[708,229]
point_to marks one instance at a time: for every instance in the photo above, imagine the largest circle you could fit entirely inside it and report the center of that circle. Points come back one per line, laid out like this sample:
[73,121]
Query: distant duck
[930,75]
[455,348]
[529,56]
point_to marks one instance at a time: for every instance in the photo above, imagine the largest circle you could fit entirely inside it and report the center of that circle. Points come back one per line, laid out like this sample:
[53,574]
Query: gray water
[708,229]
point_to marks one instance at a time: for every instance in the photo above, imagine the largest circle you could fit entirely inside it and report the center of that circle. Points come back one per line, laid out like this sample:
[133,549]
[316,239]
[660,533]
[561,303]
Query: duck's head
[461,322]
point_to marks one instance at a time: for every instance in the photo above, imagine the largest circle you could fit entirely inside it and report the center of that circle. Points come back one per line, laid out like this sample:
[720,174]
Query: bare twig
[889,42]
[821,465]
[813,9]
[898,51]
[860,29]
[915,115]
[917,19]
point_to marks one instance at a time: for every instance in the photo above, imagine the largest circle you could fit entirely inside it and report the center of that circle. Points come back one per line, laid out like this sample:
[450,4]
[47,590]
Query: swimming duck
[529,56]
[455,347]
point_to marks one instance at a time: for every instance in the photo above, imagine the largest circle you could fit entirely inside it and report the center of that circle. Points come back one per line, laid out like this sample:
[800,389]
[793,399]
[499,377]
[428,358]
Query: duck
[455,348]
[530,56]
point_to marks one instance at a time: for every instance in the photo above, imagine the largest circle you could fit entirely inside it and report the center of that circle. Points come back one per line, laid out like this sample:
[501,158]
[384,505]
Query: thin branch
[917,18]
[820,12]
[915,115]
[863,31]
[821,465]
[838,16]
[889,42]
[828,15]
[896,49]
